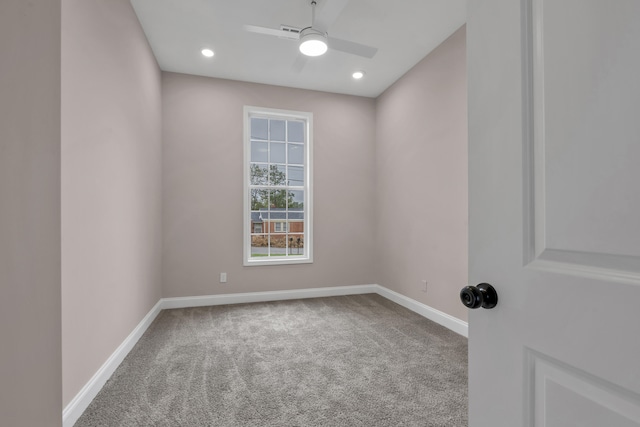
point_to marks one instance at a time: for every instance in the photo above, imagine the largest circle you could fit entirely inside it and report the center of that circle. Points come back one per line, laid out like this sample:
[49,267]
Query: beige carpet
[340,361]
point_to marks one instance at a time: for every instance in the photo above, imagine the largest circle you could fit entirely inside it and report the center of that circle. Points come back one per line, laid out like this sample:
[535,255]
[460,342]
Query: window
[280,227]
[277,189]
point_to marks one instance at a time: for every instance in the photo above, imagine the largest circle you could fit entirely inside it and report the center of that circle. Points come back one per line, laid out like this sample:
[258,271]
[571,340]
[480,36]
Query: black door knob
[483,295]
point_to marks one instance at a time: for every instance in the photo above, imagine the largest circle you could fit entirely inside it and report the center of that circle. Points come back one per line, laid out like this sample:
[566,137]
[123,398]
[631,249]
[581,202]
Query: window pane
[296,199]
[259,246]
[255,221]
[295,214]
[277,175]
[277,130]
[296,131]
[259,200]
[278,152]
[259,128]
[278,200]
[296,244]
[296,175]
[259,152]
[257,225]
[296,154]
[278,246]
[259,174]
[295,218]
[282,174]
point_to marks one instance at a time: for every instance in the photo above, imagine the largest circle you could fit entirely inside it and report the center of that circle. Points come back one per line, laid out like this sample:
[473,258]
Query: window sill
[278,261]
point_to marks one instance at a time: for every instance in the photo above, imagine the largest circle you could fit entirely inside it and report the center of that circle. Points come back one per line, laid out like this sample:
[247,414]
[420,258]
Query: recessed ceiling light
[207,52]
[358,75]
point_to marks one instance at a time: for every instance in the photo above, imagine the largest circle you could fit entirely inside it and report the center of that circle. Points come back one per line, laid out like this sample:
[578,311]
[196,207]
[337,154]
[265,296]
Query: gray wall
[202,187]
[30,366]
[111,183]
[421,164]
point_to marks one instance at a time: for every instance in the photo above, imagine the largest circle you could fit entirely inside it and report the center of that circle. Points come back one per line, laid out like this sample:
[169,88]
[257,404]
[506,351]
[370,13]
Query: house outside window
[277,197]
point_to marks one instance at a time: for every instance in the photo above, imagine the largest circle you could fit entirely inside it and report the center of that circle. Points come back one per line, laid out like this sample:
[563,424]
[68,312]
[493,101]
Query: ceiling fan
[314,40]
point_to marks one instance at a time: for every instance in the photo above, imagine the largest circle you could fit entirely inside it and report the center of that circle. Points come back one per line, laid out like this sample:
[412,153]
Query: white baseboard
[450,322]
[206,300]
[444,319]
[81,401]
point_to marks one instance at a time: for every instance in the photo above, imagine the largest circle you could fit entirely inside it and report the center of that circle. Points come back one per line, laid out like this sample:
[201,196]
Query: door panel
[586,63]
[554,182]
[593,403]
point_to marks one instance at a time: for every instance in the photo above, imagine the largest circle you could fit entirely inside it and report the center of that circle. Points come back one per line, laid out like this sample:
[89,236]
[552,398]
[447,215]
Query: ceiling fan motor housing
[313,42]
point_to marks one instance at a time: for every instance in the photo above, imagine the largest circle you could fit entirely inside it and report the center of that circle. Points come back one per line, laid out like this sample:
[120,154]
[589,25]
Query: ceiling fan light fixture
[312,42]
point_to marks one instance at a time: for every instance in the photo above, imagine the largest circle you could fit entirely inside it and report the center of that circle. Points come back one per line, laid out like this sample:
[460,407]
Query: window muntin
[277,187]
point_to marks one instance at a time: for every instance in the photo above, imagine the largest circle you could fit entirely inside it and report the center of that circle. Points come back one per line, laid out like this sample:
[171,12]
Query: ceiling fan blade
[299,63]
[352,47]
[327,13]
[272,32]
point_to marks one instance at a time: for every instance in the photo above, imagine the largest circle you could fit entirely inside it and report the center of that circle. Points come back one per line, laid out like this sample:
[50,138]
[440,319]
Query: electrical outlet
[425,283]
[223,277]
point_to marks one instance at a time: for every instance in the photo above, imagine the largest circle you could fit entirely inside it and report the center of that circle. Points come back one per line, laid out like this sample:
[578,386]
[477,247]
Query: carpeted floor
[357,360]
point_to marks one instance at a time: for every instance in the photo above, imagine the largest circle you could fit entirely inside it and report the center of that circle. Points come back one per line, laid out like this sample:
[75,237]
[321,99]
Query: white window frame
[249,112]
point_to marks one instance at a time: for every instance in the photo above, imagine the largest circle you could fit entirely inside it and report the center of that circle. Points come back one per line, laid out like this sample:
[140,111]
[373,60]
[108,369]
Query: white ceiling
[404,31]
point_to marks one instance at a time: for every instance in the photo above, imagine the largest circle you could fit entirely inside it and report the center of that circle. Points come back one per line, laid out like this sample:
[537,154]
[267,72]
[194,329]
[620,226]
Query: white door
[554,140]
